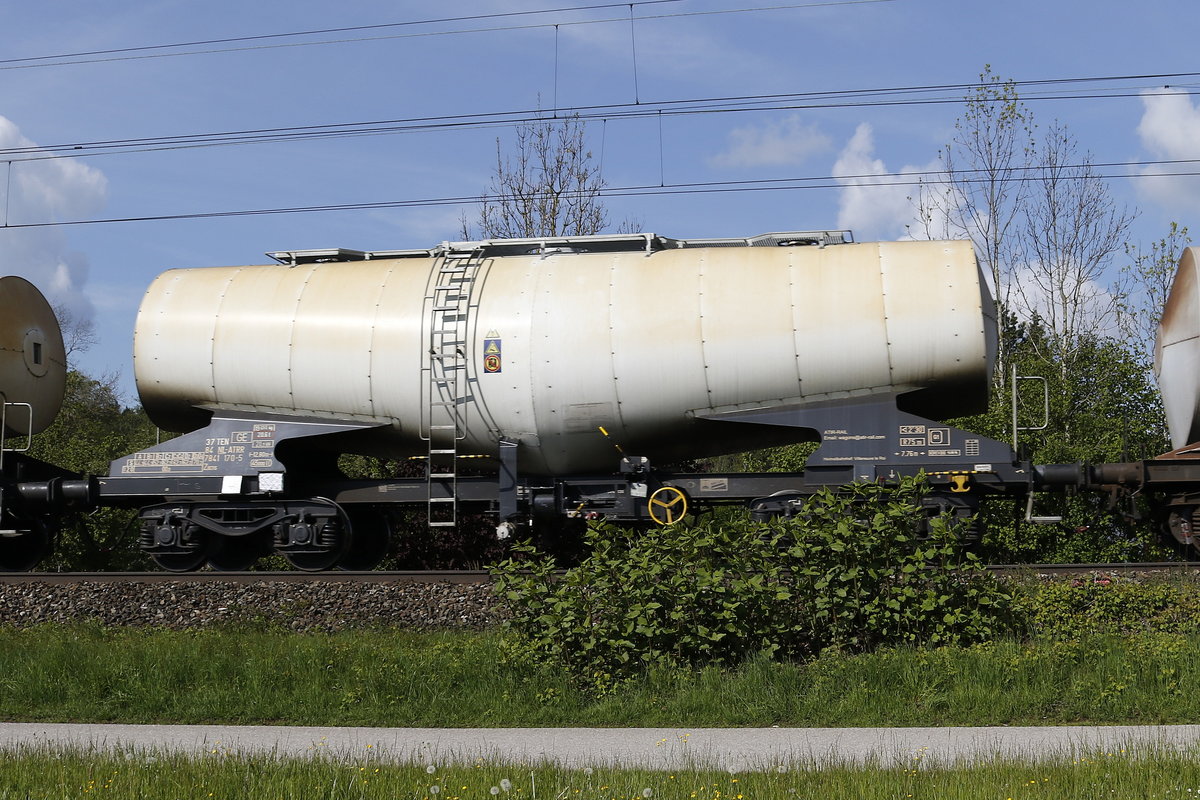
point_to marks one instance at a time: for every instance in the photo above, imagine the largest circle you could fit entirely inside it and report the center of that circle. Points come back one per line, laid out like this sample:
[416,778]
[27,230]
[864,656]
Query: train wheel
[315,540]
[236,553]
[334,544]
[1179,530]
[371,533]
[22,550]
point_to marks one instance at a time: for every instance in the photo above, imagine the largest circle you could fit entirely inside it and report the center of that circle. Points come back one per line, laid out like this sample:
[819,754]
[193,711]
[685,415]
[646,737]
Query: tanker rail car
[578,371]
[580,368]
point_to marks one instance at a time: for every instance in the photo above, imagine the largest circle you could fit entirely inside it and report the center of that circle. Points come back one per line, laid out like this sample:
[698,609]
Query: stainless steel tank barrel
[556,344]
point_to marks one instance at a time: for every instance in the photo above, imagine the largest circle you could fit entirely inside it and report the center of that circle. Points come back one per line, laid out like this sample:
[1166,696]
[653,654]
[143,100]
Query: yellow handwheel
[667,505]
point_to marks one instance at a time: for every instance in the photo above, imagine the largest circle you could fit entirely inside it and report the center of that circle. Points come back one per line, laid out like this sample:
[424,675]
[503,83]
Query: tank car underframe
[248,485]
[33,496]
[319,522]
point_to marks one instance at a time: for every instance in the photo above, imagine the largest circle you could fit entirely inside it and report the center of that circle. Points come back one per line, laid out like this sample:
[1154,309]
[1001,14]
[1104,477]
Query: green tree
[92,429]
[1148,276]
[1105,409]
[1046,229]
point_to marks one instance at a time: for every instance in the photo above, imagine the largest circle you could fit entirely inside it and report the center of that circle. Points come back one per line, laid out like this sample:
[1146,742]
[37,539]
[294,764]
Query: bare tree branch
[79,334]
[549,186]
[976,197]
[1071,230]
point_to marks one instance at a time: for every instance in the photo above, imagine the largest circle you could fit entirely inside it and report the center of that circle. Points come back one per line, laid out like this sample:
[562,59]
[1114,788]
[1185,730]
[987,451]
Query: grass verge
[394,678]
[35,773]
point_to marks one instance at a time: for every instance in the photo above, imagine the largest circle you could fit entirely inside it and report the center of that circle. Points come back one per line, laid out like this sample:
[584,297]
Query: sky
[388,62]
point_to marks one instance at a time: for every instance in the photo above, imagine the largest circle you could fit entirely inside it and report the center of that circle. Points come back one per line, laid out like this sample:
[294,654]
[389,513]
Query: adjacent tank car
[33,372]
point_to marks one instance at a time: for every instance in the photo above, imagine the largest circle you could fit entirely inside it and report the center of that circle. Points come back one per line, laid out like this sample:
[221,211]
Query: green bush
[851,572]
[1068,609]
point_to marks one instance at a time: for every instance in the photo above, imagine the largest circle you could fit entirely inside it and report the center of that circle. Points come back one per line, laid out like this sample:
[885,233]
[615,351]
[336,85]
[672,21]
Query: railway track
[1128,569]
[334,576]
[481,576]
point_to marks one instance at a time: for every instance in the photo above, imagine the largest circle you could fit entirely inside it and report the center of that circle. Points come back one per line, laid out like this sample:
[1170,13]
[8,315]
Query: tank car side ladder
[447,301]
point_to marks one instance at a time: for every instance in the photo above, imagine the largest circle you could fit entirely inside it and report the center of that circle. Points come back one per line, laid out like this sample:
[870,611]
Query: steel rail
[482,576]
[1096,568]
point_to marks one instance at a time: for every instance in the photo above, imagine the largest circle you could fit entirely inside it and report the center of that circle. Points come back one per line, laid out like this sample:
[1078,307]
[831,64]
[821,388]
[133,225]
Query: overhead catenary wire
[132,54]
[801,101]
[324,31]
[915,178]
[826,99]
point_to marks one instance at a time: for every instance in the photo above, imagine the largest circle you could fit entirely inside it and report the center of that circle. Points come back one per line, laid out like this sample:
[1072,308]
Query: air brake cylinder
[60,493]
[1060,475]
[1089,475]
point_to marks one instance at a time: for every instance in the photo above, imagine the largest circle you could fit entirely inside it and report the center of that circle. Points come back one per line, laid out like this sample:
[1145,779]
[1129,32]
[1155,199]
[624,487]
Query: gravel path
[660,748]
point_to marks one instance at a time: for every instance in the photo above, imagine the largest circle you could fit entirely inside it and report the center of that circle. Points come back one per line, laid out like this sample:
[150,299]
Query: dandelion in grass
[431,769]
[435,789]
[495,790]
[587,771]
[647,792]
[506,784]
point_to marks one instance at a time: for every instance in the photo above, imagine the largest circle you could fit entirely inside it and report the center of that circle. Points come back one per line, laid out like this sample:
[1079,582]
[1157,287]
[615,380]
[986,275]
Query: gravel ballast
[309,606]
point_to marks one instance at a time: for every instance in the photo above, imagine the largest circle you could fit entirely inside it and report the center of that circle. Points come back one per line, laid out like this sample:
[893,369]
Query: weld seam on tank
[795,329]
[700,273]
[292,333]
[887,330]
[613,262]
[212,355]
[379,293]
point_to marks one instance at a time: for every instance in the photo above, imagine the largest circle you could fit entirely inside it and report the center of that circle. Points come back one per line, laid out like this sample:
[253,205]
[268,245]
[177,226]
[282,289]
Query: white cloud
[786,142]
[1033,287]
[45,191]
[1170,130]
[873,207]
[665,49]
